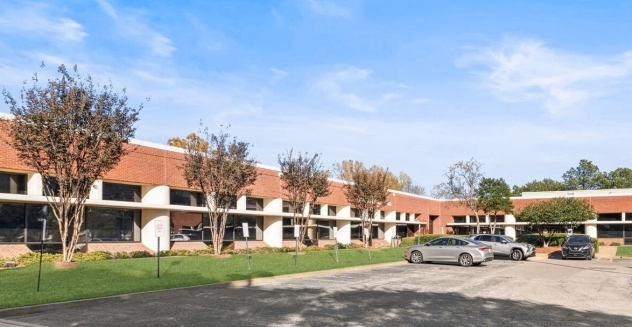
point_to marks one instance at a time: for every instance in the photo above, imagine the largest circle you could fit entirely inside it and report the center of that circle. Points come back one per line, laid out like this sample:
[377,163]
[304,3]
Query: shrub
[313,248]
[596,244]
[602,243]
[34,257]
[615,244]
[121,255]
[140,254]
[420,239]
[93,256]
[206,251]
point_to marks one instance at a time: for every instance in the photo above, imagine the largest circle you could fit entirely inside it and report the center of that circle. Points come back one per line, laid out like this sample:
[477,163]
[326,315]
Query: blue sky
[528,88]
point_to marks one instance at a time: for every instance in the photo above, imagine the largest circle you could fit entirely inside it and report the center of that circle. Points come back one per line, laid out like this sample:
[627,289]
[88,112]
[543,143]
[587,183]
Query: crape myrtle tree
[555,216]
[304,181]
[461,184]
[367,192]
[71,131]
[493,197]
[191,138]
[223,172]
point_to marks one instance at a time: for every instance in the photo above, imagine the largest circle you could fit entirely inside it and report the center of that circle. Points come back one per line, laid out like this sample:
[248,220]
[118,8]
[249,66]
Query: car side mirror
[427,244]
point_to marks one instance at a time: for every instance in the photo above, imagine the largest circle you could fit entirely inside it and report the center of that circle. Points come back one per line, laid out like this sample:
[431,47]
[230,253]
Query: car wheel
[465,260]
[563,258]
[589,257]
[416,257]
[516,255]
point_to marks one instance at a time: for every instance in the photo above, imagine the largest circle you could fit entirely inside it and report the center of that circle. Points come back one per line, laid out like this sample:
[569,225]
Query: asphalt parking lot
[499,293]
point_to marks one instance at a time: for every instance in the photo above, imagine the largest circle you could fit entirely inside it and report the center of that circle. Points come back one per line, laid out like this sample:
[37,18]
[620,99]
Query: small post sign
[244,227]
[336,238]
[159,229]
[297,232]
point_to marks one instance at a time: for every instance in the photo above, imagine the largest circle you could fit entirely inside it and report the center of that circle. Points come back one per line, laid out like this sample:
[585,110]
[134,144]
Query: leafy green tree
[555,216]
[586,176]
[304,181]
[493,197]
[618,178]
[461,184]
[367,192]
[544,185]
[223,172]
[72,132]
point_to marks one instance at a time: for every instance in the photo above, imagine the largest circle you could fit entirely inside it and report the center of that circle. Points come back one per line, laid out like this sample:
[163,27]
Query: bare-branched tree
[462,180]
[223,172]
[72,132]
[367,192]
[304,181]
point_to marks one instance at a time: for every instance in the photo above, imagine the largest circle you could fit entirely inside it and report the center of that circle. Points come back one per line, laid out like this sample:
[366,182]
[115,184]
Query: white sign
[159,228]
[245,229]
[297,230]
[335,232]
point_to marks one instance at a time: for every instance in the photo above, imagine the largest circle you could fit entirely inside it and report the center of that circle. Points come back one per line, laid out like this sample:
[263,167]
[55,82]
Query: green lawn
[624,251]
[92,279]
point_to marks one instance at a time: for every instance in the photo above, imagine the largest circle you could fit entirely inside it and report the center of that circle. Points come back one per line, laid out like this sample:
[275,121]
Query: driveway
[499,293]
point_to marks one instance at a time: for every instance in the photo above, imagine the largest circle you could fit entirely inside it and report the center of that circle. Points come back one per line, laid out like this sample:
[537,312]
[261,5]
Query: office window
[628,216]
[316,209]
[459,219]
[288,228]
[113,225]
[12,223]
[331,211]
[398,216]
[254,204]
[186,198]
[234,228]
[355,213]
[35,213]
[325,229]
[610,231]
[609,217]
[12,183]
[287,207]
[121,192]
[401,230]
[51,186]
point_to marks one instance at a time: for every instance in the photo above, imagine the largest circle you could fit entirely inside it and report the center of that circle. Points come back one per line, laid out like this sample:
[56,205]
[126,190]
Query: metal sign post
[160,230]
[336,238]
[297,232]
[366,234]
[246,234]
[39,275]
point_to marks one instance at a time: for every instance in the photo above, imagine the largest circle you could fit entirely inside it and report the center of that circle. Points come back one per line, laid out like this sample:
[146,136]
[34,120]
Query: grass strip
[624,251]
[92,279]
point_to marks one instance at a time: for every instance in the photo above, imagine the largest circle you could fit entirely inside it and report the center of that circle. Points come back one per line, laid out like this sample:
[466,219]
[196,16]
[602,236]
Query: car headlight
[585,247]
[565,246]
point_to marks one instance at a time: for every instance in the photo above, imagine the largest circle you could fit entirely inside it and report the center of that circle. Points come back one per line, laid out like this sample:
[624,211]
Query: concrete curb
[149,295]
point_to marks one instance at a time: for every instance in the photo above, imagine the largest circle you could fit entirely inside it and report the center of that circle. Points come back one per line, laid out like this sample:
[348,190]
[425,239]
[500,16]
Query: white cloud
[327,8]
[527,70]
[37,20]
[419,100]
[278,74]
[130,25]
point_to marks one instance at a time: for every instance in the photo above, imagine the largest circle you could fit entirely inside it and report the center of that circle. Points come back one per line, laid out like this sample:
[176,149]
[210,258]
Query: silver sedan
[466,252]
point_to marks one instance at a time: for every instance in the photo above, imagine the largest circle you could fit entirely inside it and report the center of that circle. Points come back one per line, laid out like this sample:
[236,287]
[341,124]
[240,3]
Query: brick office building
[148,185]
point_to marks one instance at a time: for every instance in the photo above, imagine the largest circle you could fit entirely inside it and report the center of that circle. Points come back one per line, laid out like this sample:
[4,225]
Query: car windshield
[579,239]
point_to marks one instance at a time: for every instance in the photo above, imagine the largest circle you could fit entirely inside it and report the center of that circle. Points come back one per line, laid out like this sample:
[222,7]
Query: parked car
[466,252]
[179,238]
[578,246]
[504,246]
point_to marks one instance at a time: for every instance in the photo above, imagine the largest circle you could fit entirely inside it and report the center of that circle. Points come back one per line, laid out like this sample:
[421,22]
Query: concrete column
[468,219]
[273,231]
[389,231]
[34,185]
[241,203]
[155,194]
[344,231]
[623,216]
[96,191]
[344,211]
[510,227]
[389,215]
[148,231]
[271,205]
[590,229]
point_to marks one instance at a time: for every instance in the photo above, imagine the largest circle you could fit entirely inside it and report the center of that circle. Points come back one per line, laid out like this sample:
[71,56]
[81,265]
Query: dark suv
[504,246]
[578,246]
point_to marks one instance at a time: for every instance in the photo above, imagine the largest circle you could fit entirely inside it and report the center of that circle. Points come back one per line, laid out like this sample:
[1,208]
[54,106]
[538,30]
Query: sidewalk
[607,252]
[9,323]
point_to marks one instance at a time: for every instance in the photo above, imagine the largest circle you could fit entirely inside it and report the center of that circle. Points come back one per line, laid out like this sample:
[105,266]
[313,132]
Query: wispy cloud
[38,20]
[278,74]
[130,25]
[327,8]
[527,70]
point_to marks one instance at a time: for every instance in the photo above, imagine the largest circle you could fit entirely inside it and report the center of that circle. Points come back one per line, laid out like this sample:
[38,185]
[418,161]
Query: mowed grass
[624,251]
[121,276]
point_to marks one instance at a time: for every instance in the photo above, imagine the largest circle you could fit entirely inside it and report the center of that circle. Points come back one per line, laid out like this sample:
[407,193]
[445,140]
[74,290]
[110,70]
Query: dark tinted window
[254,204]
[609,217]
[287,207]
[332,211]
[121,192]
[579,239]
[316,209]
[112,225]
[356,213]
[12,183]
[459,219]
[484,238]
[186,198]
